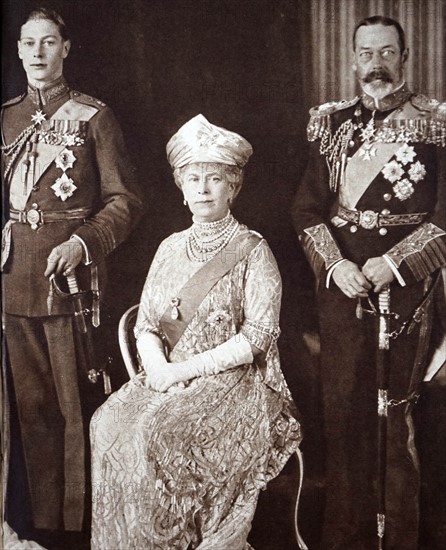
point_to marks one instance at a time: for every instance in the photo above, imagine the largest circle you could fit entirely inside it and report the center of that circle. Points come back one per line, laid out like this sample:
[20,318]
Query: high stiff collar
[49,93]
[391,101]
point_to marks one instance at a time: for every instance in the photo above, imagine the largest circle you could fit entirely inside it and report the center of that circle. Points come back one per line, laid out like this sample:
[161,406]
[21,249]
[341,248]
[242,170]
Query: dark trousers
[349,379]
[43,362]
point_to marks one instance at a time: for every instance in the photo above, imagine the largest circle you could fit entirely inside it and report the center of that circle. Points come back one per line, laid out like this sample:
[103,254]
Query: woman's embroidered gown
[183,469]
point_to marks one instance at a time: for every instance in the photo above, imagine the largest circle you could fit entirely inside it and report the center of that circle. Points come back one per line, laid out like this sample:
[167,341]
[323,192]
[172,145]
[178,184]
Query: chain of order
[15,148]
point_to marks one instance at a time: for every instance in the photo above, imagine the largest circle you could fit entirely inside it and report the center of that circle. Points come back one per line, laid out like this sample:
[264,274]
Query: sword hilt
[73,287]
[79,314]
[384,313]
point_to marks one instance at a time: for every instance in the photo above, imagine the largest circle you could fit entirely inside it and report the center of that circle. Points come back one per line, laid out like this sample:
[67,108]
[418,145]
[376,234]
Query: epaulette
[440,112]
[87,99]
[14,100]
[333,106]
[434,130]
[424,103]
[432,106]
[319,122]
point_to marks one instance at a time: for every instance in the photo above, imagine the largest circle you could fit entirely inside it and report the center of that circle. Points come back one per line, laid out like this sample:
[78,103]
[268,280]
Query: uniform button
[387,196]
[385,212]
[383,231]
[352,143]
[353,229]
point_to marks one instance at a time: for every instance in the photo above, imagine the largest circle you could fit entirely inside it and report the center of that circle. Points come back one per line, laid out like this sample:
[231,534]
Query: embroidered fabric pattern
[259,335]
[415,242]
[432,257]
[324,244]
[44,96]
[196,455]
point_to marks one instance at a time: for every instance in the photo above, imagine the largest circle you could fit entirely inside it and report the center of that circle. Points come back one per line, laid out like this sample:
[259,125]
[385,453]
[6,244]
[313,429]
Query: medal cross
[38,118]
[367,151]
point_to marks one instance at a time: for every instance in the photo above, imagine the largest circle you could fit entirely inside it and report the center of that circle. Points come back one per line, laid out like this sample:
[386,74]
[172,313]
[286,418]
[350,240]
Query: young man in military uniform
[72,200]
[370,215]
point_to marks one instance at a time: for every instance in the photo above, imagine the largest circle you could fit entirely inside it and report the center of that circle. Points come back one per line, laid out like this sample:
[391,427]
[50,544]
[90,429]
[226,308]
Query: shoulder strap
[87,99]
[198,286]
[14,100]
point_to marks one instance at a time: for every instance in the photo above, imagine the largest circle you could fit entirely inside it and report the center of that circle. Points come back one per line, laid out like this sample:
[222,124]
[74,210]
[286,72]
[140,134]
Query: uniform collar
[49,93]
[391,101]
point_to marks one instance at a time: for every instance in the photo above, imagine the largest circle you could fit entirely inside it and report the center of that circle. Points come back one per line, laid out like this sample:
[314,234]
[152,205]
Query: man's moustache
[378,74]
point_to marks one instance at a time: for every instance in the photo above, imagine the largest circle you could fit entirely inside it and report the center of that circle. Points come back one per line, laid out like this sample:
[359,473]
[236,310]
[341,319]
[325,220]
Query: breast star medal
[64,187]
[65,159]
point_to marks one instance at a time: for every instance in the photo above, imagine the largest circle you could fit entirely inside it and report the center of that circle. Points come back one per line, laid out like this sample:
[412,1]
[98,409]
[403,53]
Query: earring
[185,202]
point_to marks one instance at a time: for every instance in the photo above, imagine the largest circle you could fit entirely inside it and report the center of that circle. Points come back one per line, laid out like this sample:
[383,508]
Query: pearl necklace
[205,240]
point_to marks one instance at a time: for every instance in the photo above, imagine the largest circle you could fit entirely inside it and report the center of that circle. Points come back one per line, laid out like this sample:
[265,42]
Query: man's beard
[378,83]
[378,74]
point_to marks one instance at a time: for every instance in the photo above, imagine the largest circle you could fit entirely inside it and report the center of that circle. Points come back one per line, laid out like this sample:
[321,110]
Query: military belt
[368,219]
[36,217]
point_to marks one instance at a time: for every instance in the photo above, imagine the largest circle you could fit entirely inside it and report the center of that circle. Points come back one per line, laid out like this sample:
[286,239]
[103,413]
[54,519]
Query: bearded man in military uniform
[371,216]
[72,199]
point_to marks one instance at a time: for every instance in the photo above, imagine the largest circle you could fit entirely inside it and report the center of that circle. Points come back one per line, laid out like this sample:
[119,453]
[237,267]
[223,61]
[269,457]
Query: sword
[383,368]
[79,315]
[86,349]
[79,311]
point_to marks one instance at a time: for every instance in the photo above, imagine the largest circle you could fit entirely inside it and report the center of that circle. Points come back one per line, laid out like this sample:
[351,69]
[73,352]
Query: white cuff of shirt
[393,267]
[87,260]
[330,271]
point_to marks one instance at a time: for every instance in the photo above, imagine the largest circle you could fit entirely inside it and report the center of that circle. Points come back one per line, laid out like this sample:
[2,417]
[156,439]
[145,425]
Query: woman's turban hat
[200,141]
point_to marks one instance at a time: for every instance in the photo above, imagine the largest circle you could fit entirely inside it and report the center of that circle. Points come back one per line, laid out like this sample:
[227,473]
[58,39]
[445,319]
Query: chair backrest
[127,341]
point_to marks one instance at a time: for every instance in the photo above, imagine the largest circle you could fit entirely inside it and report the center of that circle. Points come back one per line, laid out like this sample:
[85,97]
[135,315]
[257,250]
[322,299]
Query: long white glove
[235,351]
[151,350]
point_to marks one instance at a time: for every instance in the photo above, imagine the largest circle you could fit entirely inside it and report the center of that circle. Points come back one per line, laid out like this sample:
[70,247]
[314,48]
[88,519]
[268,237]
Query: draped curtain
[333,23]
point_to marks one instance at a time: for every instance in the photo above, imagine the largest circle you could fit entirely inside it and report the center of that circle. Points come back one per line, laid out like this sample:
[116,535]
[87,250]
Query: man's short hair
[42,13]
[381,20]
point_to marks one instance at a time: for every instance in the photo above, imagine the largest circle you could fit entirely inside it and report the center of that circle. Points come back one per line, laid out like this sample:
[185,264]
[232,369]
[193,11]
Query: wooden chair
[127,344]
[127,341]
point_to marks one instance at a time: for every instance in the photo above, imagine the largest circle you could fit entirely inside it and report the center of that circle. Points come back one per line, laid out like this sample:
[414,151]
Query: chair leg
[299,538]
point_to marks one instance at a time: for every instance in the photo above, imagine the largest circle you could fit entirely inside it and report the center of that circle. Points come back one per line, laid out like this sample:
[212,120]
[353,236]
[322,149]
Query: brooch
[218,317]
[175,312]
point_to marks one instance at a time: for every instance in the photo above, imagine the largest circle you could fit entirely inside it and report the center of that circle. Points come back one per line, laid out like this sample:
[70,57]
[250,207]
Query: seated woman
[180,453]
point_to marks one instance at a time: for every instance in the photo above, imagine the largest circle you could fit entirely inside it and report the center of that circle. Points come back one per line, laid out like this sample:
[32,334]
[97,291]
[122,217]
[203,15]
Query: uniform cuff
[330,271]
[395,270]
[86,258]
